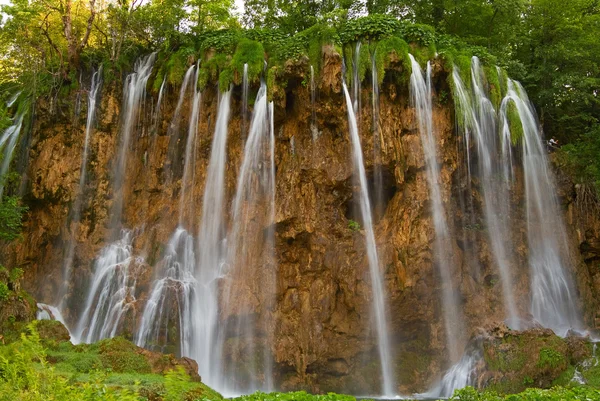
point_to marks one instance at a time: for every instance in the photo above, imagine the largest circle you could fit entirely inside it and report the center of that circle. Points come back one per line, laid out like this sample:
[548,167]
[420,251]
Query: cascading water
[245,89]
[157,109]
[170,301]
[112,287]
[253,210]
[76,210]
[211,252]
[134,93]
[173,294]
[377,285]
[172,165]
[553,299]
[378,202]
[421,97]
[356,84]
[8,143]
[313,104]
[460,375]
[479,125]
[188,178]
[111,293]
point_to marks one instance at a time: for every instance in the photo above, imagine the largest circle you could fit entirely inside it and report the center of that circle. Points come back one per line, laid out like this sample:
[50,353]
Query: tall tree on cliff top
[56,31]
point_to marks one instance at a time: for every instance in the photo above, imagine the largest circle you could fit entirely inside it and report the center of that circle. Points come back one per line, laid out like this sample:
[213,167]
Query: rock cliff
[318,328]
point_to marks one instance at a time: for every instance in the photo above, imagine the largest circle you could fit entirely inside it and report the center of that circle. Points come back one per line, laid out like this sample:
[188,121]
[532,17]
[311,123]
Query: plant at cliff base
[295,396]
[531,394]
[176,384]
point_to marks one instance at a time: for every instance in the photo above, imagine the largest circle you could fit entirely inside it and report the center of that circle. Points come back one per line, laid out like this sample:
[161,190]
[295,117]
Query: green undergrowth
[531,394]
[294,396]
[37,368]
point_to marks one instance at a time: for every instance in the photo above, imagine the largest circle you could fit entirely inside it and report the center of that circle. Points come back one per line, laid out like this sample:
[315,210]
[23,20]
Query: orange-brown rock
[316,320]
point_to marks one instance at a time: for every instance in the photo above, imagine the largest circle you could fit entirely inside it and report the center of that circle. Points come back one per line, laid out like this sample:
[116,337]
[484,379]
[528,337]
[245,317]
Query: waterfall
[76,210]
[171,297]
[480,126]
[252,211]
[112,291]
[421,98]
[211,252]
[172,163]
[356,87]
[460,375]
[112,287]
[313,104]
[553,298]
[378,202]
[157,109]
[245,85]
[8,143]
[134,92]
[190,154]
[173,293]
[377,285]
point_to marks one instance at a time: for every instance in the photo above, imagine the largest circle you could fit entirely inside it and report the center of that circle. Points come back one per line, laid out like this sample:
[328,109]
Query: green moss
[514,123]
[248,52]
[463,63]
[493,80]
[225,79]
[550,358]
[592,375]
[388,48]
[177,65]
[211,68]
[422,55]
[275,88]
[565,377]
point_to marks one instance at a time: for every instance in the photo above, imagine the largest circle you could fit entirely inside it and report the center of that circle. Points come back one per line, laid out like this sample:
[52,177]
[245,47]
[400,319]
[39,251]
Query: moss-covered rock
[516,360]
[17,310]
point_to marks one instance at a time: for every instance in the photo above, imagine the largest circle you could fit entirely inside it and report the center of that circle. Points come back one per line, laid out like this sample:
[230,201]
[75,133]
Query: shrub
[353,225]
[4,291]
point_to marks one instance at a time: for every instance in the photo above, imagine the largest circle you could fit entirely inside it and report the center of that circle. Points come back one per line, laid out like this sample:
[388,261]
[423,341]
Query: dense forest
[51,48]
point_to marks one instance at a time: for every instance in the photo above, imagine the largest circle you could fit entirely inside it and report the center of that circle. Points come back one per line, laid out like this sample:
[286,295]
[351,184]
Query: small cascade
[93,97]
[8,143]
[253,211]
[313,104]
[157,109]
[480,127]
[171,300]
[293,145]
[356,84]
[211,253]
[13,99]
[460,375]
[189,166]
[49,312]
[553,299]
[378,201]
[421,97]
[245,88]
[112,292]
[134,92]
[377,285]
[171,165]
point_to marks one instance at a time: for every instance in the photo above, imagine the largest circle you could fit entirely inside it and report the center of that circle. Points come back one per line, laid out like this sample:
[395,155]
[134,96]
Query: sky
[239,5]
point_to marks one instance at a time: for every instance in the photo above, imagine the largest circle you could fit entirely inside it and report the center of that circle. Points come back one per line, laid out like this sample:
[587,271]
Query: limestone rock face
[317,321]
